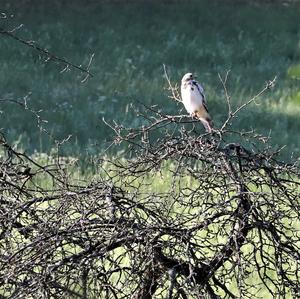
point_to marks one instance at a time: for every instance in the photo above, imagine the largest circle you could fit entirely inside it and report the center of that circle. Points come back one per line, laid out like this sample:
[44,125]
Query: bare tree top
[185,215]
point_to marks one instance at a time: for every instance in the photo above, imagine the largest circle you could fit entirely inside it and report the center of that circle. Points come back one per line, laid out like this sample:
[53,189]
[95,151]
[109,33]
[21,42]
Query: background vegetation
[256,40]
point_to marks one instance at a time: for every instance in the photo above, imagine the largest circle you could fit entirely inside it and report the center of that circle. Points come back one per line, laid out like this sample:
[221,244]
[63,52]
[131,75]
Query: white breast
[191,98]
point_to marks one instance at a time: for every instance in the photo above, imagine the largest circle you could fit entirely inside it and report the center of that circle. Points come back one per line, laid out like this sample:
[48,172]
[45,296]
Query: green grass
[131,42]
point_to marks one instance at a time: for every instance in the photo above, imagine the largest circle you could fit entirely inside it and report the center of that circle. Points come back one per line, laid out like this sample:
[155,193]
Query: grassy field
[131,42]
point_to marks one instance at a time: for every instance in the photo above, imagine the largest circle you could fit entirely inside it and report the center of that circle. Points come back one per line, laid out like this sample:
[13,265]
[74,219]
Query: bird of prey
[194,101]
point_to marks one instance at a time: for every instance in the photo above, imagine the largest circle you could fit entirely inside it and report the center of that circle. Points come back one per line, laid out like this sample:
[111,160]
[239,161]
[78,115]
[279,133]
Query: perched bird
[194,101]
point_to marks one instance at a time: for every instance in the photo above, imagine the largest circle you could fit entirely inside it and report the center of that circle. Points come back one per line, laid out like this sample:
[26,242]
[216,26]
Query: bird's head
[187,77]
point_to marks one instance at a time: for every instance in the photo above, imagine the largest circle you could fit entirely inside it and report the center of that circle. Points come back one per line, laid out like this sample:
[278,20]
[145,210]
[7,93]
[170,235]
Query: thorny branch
[48,55]
[172,89]
[184,216]
[231,114]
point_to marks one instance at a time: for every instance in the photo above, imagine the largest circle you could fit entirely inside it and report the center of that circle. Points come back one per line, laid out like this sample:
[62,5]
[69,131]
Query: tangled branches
[186,216]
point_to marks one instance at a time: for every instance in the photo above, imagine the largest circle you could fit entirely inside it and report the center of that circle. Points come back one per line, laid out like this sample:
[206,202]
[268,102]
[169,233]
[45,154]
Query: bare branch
[172,89]
[47,53]
[233,114]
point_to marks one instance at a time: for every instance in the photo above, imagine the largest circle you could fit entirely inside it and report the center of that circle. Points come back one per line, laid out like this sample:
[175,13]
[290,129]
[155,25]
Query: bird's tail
[206,120]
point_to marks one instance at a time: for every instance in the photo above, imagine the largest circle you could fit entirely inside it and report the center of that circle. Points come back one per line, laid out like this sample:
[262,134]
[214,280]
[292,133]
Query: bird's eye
[191,76]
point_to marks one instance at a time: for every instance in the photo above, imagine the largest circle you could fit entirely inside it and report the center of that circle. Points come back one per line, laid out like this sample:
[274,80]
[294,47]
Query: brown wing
[205,118]
[205,106]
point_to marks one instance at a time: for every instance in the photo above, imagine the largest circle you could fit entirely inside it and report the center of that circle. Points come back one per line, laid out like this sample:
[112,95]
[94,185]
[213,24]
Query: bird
[194,101]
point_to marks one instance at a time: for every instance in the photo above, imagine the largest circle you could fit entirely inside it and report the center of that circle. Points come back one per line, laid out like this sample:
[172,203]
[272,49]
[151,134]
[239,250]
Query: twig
[231,115]
[227,96]
[174,89]
[33,45]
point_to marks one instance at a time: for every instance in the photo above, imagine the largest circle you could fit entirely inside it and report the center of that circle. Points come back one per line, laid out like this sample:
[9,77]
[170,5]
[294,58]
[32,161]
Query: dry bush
[185,215]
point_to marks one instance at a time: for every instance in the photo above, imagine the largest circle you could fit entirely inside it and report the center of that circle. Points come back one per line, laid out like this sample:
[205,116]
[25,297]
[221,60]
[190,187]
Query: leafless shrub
[185,215]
